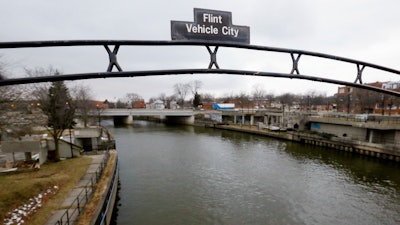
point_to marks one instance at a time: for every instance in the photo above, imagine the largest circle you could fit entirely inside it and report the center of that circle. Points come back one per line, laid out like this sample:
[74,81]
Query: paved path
[83,184]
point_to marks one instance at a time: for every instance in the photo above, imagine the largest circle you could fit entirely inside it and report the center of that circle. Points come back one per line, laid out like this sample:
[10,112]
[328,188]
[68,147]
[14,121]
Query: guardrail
[106,205]
[370,118]
[75,209]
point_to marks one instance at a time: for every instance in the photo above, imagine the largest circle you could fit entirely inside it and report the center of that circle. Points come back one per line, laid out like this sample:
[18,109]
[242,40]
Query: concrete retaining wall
[385,151]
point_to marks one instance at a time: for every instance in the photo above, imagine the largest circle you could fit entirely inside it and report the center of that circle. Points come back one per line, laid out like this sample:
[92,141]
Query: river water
[192,175]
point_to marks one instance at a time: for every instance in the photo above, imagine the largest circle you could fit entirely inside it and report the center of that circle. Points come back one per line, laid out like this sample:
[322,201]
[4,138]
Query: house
[158,104]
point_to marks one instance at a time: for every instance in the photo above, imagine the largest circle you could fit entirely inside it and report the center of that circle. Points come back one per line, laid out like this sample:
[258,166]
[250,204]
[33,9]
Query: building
[158,104]
[357,100]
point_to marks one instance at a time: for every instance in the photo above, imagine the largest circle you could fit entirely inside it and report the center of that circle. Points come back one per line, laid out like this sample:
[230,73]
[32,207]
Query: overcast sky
[366,30]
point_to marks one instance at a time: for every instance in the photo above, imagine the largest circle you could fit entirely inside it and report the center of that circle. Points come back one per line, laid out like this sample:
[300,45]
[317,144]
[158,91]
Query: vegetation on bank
[17,188]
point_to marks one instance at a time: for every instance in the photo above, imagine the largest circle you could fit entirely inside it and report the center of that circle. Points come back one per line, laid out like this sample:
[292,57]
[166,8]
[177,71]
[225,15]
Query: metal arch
[295,55]
[65,43]
[145,73]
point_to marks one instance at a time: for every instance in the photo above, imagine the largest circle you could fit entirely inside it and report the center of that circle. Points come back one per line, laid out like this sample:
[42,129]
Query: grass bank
[17,188]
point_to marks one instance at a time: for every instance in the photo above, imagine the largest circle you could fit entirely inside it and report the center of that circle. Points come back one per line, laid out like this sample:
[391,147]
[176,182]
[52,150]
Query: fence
[101,220]
[76,207]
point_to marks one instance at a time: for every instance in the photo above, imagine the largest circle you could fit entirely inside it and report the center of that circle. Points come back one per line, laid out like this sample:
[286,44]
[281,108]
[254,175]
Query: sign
[210,25]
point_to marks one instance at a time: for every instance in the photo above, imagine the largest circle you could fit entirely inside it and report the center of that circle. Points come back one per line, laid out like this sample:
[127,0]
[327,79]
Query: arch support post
[295,60]
[112,55]
[213,57]
[359,73]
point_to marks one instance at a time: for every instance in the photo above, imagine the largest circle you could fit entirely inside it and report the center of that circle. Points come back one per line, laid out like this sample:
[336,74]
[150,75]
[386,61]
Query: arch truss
[213,67]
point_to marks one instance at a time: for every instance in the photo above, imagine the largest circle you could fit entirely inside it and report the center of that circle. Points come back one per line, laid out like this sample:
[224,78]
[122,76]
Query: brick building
[356,100]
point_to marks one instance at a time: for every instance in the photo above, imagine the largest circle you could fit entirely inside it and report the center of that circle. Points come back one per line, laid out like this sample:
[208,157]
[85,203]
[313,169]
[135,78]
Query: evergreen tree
[60,110]
[196,100]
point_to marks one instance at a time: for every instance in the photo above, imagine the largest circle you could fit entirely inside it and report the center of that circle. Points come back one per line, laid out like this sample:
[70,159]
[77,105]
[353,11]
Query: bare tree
[195,86]
[2,69]
[11,94]
[163,97]
[9,99]
[287,99]
[227,97]
[134,97]
[39,90]
[258,94]
[181,90]
[244,100]
[83,98]
[207,97]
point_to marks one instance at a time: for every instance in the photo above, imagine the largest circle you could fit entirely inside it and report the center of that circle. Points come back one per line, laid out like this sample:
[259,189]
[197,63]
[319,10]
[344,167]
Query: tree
[196,100]
[205,97]
[134,100]
[244,100]
[181,90]
[58,106]
[287,99]
[258,94]
[38,90]
[82,98]
[9,95]
[163,97]
[195,86]
[2,69]
[133,97]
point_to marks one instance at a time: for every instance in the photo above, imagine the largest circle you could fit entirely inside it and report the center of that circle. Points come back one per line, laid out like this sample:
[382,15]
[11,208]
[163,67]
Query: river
[193,175]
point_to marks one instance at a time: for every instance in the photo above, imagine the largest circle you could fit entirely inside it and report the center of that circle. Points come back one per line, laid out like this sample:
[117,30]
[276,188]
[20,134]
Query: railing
[106,205]
[75,209]
[370,118]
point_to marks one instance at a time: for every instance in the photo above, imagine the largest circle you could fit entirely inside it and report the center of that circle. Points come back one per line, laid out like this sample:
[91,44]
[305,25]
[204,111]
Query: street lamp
[98,113]
[67,108]
[390,105]
[242,120]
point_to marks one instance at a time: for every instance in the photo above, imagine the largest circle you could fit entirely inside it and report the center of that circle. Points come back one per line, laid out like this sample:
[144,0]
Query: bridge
[146,112]
[125,116]
[293,71]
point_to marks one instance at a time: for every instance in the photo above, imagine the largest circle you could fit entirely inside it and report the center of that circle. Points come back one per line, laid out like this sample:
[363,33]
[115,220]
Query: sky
[365,30]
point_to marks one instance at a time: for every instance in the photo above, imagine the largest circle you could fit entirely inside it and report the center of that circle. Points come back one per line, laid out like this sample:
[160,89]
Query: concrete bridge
[125,116]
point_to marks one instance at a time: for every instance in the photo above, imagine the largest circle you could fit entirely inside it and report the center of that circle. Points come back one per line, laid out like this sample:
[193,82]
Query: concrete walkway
[84,187]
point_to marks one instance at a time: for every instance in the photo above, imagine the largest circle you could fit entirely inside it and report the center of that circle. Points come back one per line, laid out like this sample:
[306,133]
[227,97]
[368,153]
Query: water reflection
[362,169]
[190,175]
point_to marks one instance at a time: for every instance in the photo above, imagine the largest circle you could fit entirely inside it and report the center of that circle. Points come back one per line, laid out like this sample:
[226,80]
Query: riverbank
[84,203]
[31,195]
[384,151]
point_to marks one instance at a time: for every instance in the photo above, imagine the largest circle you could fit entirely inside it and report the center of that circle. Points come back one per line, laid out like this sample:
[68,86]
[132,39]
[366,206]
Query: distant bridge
[145,112]
[213,67]
[125,116]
